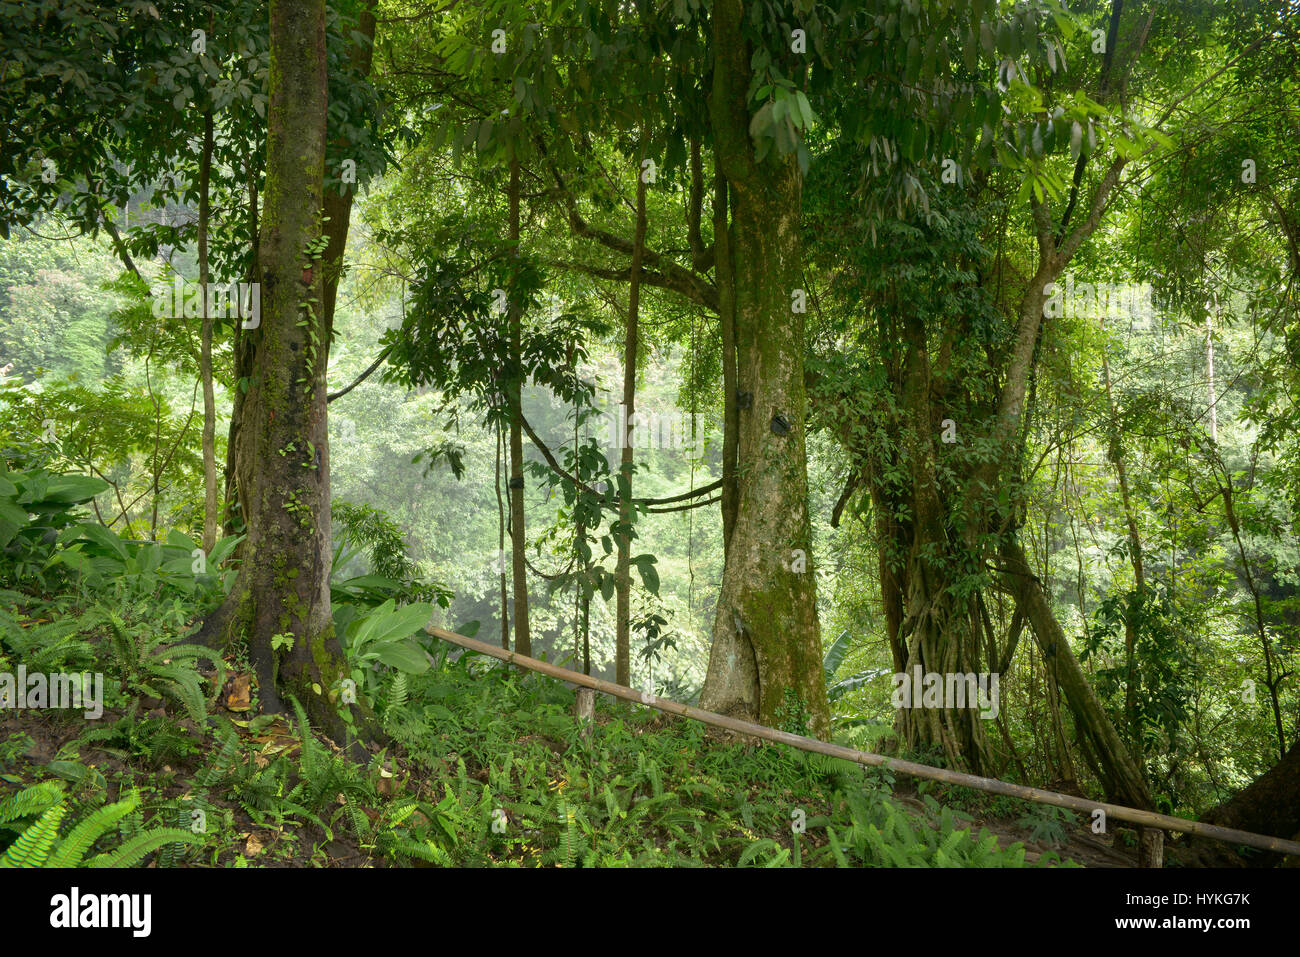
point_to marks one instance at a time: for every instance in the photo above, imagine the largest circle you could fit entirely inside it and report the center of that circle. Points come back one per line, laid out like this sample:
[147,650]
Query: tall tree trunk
[622,569]
[935,634]
[766,651]
[518,542]
[205,347]
[337,212]
[283,583]
[238,464]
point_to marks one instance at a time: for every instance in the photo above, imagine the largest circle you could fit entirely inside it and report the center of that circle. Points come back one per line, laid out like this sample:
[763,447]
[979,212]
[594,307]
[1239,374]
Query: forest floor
[485,767]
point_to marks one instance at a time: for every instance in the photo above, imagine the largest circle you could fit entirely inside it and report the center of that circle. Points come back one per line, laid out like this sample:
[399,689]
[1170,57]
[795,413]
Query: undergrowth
[484,766]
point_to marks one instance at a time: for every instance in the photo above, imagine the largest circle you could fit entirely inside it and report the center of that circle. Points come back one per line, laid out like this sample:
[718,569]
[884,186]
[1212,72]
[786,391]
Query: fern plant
[172,854]
[396,697]
[58,645]
[44,844]
[1047,824]
[322,777]
[28,804]
[148,664]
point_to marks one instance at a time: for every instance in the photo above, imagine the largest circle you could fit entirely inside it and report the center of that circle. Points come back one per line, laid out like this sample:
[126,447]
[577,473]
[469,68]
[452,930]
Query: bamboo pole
[992,785]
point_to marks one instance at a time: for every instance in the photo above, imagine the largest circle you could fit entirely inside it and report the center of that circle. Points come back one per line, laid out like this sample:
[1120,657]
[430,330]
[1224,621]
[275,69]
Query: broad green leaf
[405,656]
[223,548]
[179,539]
[71,489]
[13,517]
[649,577]
[378,582]
[387,624]
[805,109]
[835,655]
[97,534]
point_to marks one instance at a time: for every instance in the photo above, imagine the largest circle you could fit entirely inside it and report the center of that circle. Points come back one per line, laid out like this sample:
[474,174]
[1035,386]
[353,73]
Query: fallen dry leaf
[239,697]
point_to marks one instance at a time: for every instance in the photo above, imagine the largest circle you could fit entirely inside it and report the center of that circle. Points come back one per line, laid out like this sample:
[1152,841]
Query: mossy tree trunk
[283,585]
[766,652]
[936,630]
[338,214]
[943,513]
[930,548]
[238,463]
[726,285]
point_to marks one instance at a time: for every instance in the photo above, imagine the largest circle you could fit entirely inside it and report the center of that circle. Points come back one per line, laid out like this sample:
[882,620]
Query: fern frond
[142,845]
[91,735]
[758,847]
[73,847]
[193,653]
[174,852]
[427,851]
[360,823]
[182,683]
[31,801]
[397,694]
[33,845]
[229,747]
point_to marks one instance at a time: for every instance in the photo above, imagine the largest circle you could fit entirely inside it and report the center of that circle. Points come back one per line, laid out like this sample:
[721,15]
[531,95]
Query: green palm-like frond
[39,845]
[141,845]
[73,847]
[30,802]
[33,845]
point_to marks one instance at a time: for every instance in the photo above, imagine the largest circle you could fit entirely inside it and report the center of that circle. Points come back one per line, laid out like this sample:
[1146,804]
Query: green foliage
[1047,824]
[46,843]
[126,433]
[153,741]
[882,835]
[174,568]
[634,795]
[792,714]
[1165,652]
[364,529]
[946,153]
[147,663]
[55,319]
[384,636]
[834,658]
[22,808]
[36,506]
[41,531]
[653,630]
[49,646]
